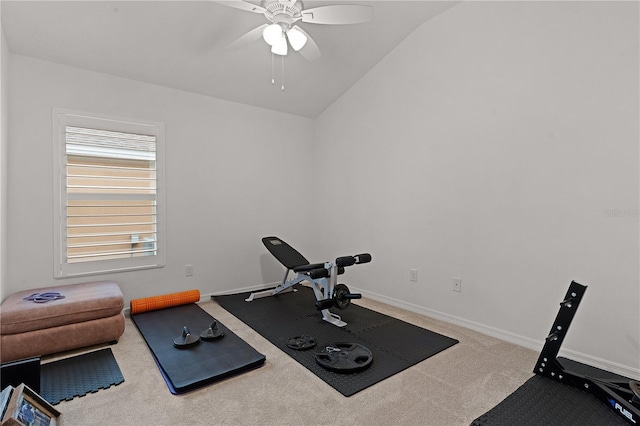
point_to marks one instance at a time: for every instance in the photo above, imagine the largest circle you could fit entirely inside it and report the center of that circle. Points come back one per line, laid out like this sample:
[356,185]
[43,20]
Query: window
[108,186]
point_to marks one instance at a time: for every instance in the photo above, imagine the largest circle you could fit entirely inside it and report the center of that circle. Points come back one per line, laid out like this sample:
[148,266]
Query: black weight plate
[301,343]
[339,300]
[342,357]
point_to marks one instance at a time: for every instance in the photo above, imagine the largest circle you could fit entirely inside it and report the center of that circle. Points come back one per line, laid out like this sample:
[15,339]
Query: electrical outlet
[413,275]
[457,284]
[188,270]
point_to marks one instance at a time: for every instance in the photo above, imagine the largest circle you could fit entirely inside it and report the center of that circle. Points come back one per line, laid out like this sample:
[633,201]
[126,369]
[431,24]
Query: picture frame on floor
[24,407]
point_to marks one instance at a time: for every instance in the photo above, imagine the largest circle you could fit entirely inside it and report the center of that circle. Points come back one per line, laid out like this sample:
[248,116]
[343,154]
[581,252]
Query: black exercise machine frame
[323,278]
[623,396]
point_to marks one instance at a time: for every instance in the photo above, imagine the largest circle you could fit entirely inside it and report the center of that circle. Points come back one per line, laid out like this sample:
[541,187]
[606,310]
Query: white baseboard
[507,336]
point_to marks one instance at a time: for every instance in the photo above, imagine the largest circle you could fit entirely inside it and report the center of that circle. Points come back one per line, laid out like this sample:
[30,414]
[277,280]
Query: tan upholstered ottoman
[89,314]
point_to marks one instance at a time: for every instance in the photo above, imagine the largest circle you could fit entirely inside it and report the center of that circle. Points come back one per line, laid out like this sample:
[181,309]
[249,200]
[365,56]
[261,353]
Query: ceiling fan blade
[310,50]
[242,5]
[248,38]
[338,14]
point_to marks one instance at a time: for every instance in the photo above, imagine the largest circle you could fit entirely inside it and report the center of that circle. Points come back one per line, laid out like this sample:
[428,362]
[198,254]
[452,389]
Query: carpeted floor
[452,388]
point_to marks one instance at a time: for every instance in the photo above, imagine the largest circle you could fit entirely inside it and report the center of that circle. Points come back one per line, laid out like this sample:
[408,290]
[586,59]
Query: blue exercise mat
[193,367]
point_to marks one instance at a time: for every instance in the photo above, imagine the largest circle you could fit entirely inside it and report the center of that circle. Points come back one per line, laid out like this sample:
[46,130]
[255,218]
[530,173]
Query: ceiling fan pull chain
[282,88]
[273,80]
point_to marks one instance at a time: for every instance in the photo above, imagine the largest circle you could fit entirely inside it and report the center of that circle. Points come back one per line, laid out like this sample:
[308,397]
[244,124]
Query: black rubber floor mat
[205,363]
[541,401]
[68,378]
[395,344]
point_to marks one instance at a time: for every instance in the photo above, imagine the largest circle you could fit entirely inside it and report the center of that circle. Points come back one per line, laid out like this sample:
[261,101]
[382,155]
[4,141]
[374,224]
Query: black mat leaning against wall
[395,344]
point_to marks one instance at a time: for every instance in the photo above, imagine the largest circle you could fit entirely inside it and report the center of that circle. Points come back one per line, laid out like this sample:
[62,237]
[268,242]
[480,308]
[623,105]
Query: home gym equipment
[395,344]
[622,396]
[322,276]
[543,401]
[212,333]
[164,301]
[200,364]
[301,343]
[186,339]
[342,357]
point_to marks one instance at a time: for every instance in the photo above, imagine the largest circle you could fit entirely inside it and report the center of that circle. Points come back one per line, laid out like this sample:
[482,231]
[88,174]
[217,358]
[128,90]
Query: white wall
[4,142]
[228,182]
[490,145]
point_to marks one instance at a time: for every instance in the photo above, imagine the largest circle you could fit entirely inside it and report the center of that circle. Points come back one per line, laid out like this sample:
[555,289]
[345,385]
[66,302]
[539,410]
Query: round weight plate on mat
[301,343]
[339,299]
[342,357]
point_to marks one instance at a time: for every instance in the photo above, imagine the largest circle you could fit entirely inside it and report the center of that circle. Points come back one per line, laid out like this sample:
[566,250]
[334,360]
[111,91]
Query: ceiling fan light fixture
[272,34]
[280,47]
[296,38]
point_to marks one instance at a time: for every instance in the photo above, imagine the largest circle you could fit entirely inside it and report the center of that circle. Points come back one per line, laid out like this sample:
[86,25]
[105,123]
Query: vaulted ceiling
[185,45]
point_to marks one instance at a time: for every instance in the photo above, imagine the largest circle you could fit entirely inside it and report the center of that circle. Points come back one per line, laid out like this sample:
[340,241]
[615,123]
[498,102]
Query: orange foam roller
[164,301]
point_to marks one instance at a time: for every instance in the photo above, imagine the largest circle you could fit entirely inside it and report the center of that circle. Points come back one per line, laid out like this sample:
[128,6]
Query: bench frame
[323,288]
[322,276]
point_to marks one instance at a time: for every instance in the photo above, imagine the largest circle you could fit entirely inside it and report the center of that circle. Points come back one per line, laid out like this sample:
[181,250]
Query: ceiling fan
[282,30]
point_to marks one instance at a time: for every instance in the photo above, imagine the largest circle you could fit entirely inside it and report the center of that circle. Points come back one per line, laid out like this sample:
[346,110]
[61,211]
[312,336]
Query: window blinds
[110,195]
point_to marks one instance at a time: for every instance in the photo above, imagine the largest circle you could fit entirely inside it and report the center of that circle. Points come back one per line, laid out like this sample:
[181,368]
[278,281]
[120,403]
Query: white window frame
[62,118]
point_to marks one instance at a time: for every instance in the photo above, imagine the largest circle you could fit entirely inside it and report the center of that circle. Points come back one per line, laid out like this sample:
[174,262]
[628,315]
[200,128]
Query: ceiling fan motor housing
[283,12]
[283,15]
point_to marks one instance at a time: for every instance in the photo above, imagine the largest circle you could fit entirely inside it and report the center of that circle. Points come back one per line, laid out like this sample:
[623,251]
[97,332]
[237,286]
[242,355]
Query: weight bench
[322,276]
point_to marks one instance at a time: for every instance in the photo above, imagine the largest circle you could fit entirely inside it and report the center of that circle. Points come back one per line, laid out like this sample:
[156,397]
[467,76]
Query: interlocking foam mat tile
[396,345]
[79,375]
[541,401]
